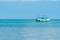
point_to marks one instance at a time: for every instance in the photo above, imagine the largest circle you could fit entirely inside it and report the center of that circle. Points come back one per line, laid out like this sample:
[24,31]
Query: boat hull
[42,20]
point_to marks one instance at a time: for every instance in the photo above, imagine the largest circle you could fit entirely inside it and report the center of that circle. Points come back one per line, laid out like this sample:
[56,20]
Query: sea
[29,29]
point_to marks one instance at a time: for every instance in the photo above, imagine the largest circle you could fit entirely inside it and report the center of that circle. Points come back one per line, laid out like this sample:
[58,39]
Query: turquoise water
[28,22]
[29,29]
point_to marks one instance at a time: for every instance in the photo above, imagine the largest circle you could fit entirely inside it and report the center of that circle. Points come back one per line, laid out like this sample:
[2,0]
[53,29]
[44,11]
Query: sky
[29,9]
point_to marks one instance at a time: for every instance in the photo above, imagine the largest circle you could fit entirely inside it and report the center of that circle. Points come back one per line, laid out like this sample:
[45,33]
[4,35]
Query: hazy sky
[27,9]
[29,0]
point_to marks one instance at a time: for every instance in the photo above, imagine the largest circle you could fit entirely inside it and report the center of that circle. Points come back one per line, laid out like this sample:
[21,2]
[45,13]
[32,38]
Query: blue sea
[29,29]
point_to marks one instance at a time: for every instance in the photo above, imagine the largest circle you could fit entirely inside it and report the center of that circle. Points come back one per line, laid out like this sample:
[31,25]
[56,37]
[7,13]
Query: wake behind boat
[42,19]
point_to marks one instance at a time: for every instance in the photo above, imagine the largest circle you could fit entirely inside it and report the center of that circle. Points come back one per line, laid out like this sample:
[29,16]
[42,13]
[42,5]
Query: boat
[42,19]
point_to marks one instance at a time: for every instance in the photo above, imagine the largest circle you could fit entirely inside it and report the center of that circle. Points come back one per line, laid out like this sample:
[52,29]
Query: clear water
[29,29]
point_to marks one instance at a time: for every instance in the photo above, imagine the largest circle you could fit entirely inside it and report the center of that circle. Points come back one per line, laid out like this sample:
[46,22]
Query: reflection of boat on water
[42,19]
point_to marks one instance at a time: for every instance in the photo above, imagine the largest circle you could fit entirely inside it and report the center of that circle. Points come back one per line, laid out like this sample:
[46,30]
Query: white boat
[41,19]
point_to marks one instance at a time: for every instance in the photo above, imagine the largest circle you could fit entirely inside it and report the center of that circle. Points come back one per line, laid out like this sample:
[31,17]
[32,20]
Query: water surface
[29,29]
